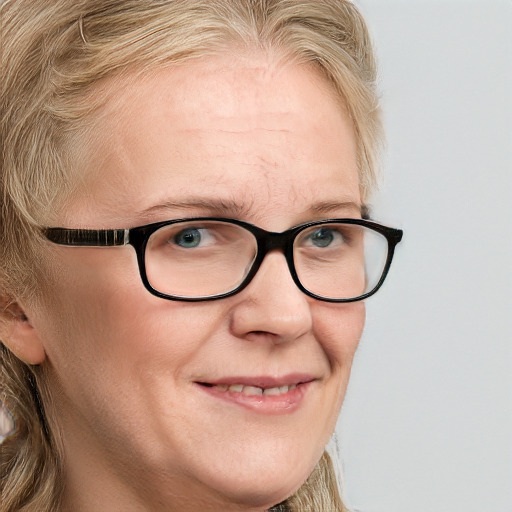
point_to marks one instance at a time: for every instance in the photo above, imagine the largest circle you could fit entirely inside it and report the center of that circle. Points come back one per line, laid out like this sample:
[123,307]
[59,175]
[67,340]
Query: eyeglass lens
[208,258]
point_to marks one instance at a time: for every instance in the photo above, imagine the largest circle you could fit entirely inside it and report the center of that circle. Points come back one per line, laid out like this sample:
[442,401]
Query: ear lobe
[18,334]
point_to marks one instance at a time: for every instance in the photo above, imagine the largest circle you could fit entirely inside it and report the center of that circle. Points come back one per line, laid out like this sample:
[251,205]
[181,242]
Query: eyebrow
[211,205]
[230,207]
[334,206]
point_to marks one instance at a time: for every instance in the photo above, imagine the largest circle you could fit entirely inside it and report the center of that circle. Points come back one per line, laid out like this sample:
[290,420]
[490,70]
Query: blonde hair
[53,53]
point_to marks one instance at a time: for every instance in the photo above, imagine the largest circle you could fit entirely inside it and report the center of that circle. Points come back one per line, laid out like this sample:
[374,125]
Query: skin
[273,143]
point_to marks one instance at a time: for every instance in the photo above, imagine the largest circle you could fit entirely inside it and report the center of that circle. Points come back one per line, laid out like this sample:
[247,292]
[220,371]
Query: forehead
[252,129]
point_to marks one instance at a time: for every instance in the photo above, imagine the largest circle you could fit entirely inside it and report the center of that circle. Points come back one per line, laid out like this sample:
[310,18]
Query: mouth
[251,390]
[262,394]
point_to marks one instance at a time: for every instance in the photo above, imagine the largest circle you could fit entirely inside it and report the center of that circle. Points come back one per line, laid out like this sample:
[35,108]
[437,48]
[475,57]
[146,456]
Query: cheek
[339,327]
[99,316]
[109,342]
[89,316]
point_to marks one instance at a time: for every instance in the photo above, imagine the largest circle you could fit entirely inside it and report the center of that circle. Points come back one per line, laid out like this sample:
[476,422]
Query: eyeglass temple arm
[88,237]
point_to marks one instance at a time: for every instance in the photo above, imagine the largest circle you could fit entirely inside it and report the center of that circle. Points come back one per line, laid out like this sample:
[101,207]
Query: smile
[263,395]
[255,390]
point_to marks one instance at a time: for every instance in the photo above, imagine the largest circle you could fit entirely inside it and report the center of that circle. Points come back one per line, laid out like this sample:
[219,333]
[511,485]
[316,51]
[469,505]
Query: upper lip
[264,382]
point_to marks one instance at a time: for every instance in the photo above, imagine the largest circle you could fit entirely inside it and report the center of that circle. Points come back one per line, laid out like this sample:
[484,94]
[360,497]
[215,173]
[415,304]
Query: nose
[272,307]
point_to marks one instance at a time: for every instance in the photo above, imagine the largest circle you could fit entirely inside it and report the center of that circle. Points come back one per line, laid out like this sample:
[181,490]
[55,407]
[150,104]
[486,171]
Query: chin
[263,487]
[262,497]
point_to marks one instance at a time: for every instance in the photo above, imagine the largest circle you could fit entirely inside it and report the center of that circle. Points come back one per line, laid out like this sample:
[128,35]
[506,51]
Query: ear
[18,334]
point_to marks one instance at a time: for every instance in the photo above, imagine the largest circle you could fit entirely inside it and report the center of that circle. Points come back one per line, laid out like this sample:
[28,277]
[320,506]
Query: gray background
[427,423]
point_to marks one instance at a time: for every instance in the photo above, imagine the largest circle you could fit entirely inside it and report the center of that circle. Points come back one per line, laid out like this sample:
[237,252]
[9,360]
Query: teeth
[254,390]
[275,391]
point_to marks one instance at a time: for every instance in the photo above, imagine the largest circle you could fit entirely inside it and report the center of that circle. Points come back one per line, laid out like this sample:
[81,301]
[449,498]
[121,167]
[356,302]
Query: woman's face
[233,137]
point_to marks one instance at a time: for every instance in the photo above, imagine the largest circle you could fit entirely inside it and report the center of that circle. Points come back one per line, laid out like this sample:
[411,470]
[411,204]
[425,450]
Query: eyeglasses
[206,258]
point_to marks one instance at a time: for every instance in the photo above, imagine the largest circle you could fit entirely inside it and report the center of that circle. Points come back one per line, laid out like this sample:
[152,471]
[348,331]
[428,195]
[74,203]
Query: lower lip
[263,404]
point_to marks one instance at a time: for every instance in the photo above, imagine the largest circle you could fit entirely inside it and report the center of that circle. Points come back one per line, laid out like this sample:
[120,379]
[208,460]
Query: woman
[233,145]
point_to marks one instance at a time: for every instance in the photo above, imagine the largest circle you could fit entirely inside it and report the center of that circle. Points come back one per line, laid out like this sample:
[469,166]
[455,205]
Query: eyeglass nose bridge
[269,242]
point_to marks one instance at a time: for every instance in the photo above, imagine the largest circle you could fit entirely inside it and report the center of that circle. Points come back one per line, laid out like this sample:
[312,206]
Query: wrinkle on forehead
[245,133]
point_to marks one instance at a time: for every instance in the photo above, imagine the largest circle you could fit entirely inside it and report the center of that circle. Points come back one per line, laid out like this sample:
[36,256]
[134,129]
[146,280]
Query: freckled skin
[138,433]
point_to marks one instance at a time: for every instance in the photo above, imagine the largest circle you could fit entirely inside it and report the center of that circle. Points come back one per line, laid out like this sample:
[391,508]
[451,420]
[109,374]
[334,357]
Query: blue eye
[322,237]
[188,238]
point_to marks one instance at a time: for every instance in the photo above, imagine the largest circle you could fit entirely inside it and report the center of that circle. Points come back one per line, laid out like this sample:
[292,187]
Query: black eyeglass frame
[267,241]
